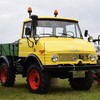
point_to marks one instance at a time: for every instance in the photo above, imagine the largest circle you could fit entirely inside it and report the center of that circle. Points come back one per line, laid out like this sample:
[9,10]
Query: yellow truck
[49,47]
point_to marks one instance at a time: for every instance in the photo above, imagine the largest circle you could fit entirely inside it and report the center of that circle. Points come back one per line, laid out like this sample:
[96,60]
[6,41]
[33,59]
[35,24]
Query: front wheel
[82,83]
[38,81]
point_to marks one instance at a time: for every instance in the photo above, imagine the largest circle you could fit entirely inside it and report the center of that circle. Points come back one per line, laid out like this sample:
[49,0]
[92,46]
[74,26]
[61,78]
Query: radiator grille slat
[72,57]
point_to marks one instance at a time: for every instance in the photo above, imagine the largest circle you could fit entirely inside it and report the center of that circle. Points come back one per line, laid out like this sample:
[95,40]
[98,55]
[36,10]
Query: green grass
[63,92]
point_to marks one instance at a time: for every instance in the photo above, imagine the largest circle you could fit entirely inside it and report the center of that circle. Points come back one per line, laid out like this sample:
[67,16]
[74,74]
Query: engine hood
[66,45]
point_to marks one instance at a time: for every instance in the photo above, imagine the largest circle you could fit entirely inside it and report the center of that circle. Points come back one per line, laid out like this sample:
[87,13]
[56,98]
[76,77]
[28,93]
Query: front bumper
[65,68]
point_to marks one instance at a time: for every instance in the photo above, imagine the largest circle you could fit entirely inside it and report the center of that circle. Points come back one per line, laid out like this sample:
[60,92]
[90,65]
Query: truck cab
[56,41]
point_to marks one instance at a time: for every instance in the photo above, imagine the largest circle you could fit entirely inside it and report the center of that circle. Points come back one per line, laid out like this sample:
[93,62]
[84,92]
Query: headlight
[54,58]
[92,57]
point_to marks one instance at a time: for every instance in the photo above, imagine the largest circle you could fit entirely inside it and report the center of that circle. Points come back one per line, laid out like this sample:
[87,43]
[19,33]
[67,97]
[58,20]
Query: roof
[53,18]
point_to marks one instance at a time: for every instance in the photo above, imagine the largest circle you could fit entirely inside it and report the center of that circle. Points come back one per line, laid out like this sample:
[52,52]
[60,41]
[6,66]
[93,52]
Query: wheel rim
[34,79]
[3,74]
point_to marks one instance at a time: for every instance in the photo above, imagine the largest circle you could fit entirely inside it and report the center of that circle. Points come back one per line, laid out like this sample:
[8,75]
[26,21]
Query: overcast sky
[13,12]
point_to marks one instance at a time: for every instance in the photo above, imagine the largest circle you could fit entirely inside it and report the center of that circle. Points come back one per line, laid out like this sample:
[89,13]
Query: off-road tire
[37,81]
[7,75]
[82,83]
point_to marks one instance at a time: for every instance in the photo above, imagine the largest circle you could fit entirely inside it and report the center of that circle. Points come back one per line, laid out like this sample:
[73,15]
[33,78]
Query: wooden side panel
[10,49]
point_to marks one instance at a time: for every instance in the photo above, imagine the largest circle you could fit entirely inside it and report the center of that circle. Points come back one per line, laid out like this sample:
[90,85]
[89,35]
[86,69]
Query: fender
[35,58]
[3,58]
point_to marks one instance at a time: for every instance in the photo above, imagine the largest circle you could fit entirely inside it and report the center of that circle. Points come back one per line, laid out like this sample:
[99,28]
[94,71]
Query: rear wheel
[38,81]
[7,75]
[82,83]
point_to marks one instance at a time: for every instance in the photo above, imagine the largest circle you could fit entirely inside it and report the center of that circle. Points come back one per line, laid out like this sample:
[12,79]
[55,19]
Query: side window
[26,25]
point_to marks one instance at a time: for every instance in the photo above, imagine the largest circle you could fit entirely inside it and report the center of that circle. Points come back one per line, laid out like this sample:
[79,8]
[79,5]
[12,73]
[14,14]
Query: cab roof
[53,18]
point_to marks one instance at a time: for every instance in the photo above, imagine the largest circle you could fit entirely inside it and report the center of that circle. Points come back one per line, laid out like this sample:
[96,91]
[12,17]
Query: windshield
[58,28]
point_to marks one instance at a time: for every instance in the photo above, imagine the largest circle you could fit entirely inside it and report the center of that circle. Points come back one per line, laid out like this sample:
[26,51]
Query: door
[26,43]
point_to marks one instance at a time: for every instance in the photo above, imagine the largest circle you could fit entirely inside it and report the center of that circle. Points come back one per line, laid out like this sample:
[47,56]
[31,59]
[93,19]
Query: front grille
[72,57]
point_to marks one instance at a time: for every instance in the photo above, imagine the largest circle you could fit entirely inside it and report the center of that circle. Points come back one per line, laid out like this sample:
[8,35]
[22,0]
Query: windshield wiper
[45,34]
[66,34]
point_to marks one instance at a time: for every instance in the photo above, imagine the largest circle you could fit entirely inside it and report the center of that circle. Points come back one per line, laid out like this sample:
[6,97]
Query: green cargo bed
[10,49]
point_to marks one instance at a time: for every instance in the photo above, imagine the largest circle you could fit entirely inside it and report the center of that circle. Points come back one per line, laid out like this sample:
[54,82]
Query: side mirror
[86,33]
[34,23]
[27,31]
[34,20]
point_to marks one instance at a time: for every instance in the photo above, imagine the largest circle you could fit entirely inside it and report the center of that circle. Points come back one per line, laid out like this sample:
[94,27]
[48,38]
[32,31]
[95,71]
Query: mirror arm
[28,40]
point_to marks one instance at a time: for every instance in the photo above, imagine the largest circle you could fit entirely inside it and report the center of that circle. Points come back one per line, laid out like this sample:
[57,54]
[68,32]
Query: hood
[66,44]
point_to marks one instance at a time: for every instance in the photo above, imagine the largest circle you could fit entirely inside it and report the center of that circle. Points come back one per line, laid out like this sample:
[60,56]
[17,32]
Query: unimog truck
[49,47]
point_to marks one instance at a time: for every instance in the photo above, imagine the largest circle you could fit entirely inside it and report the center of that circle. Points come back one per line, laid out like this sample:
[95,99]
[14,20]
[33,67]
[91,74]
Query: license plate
[77,74]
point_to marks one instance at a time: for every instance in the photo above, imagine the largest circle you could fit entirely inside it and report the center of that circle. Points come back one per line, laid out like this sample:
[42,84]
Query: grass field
[62,92]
